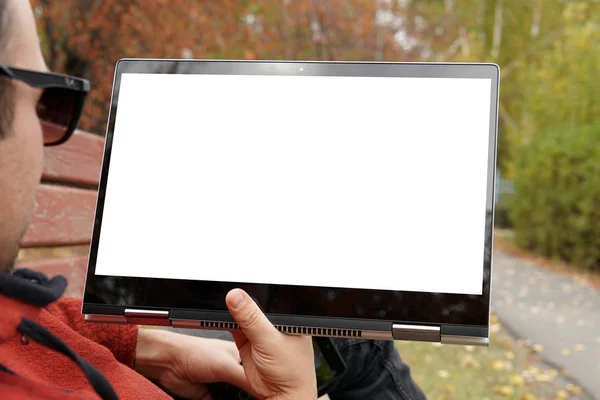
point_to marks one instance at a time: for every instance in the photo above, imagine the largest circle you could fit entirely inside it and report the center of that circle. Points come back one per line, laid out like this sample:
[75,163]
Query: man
[47,351]
[36,328]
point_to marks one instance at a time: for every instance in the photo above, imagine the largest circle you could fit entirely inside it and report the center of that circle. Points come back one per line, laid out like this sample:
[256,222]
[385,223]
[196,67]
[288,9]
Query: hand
[180,364]
[277,366]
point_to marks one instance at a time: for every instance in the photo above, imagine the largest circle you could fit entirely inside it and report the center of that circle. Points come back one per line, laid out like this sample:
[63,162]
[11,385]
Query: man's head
[21,142]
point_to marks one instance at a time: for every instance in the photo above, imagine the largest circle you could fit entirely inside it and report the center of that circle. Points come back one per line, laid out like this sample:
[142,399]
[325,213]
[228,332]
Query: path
[558,314]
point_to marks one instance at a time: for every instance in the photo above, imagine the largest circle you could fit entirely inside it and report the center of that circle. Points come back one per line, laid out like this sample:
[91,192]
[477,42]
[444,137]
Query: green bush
[502,218]
[556,206]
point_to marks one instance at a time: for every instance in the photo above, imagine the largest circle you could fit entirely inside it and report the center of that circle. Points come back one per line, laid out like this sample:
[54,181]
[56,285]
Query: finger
[241,341]
[255,325]
[235,375]
[205,394]
[244,347]
[239,338]
[234,351]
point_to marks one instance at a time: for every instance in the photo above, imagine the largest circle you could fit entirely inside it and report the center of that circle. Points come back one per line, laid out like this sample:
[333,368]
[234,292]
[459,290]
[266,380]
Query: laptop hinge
[422,333]
[147,317]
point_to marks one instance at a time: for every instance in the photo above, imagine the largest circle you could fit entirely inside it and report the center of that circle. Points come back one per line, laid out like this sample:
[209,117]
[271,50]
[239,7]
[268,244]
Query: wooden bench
[59,233]
[60,229]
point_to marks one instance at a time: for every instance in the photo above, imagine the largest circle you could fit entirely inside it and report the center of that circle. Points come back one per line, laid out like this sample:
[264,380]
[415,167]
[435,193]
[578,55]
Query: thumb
[251,320]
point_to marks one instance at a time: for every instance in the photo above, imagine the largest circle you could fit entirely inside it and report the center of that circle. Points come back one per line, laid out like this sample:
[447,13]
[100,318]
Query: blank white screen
[356,182]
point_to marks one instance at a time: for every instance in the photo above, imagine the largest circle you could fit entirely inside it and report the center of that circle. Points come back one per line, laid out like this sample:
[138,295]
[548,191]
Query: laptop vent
[219,325]
[303,330]
[289,329]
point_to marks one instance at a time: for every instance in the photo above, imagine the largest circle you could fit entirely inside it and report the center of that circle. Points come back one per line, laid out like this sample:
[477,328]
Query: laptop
[349,199]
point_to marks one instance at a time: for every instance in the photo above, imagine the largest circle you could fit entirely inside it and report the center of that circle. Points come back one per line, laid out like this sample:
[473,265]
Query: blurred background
[546,299]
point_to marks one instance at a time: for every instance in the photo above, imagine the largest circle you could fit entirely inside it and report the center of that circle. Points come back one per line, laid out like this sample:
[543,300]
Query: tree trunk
[480,20]
[536,20]
[497,39]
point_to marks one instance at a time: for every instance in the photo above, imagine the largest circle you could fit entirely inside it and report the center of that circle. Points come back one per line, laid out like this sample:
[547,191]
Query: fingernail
[237,299]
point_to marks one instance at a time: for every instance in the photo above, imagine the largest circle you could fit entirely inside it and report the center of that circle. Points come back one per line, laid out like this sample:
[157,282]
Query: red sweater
[29,370]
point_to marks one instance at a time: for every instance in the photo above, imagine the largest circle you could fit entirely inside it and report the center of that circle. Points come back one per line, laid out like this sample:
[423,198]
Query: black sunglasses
[59,107]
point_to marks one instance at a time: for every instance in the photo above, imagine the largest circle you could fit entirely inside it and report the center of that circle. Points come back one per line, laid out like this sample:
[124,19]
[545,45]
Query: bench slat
[62,216]
[73,268]
[77,161]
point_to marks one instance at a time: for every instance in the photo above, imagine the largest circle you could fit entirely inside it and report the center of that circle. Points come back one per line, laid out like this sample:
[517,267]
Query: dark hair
[6,104]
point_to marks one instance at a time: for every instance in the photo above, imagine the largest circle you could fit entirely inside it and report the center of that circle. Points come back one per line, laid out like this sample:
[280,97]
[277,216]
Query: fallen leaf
[470,362]
[566,352]
[469,348]
[561,394]
[449,388]
[509,355]
[543,377]
[507,345]
[573,388]
[560,319]
[443,373]
[579,347]
[516,380]
[538,348]
[498,365]
[505,390]
[532,369]
[502,365]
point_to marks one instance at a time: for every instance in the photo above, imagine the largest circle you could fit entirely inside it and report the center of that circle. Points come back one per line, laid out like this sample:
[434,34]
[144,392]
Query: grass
[507,369]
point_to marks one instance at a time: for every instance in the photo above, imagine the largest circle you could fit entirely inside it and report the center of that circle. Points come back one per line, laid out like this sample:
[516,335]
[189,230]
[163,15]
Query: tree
[88,37]
[534,43]
[519,36]
[565,82]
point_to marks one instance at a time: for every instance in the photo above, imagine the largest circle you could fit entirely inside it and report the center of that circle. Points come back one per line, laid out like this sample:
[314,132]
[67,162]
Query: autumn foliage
[86,38]
[534,42]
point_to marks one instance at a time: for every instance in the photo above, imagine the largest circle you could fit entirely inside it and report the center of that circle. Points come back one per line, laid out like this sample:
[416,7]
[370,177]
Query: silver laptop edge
[419,333]
[410,332]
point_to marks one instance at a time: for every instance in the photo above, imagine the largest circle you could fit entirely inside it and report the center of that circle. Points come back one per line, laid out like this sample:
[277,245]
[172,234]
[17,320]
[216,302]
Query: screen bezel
[282,300]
